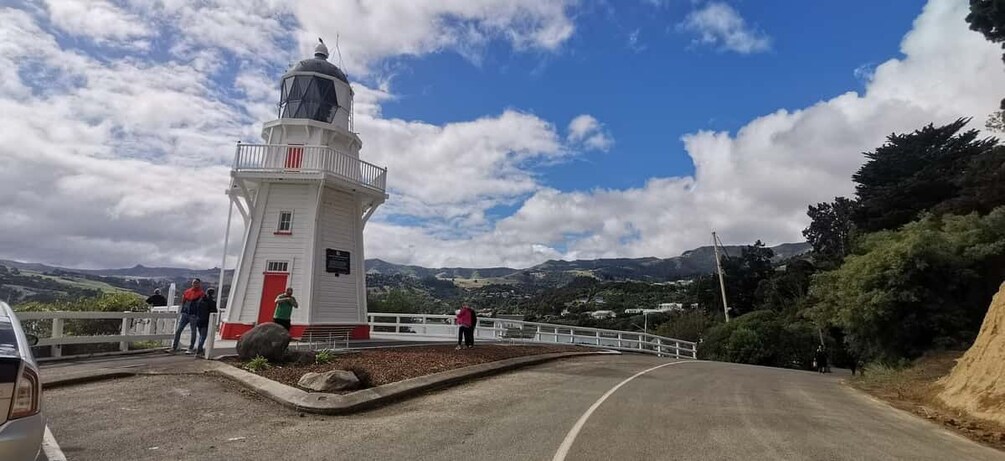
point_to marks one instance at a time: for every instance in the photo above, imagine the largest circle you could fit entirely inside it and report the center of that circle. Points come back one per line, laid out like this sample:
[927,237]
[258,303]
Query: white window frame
[278,267]
[279,225]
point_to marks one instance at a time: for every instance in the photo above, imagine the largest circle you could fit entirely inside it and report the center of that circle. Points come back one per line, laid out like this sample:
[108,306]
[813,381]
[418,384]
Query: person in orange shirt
[187,315]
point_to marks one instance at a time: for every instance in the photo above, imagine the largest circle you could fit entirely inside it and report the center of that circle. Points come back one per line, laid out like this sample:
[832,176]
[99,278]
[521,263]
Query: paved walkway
[596,408]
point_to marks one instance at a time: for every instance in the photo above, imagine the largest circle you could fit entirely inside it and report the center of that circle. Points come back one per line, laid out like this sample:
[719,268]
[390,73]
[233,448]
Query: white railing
[292,158]
[135,327]
[433,326]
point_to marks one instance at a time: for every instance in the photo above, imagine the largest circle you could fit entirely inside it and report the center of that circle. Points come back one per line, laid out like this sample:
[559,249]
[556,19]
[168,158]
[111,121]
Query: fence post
[211,335]
[57,332]
[124,345]
[537,334]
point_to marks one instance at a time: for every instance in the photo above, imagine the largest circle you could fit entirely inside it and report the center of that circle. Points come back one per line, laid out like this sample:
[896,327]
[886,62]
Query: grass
[78,282]
[915,388]
[481,282]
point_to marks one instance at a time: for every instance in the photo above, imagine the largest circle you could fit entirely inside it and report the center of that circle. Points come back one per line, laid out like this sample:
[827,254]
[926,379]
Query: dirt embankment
[977,383]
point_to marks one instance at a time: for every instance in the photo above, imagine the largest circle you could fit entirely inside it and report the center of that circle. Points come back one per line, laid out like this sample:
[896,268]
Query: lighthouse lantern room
[305,197]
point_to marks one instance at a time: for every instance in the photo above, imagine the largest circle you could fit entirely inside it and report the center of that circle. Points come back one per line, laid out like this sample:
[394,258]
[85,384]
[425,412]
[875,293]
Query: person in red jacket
[187,315]
[466,320]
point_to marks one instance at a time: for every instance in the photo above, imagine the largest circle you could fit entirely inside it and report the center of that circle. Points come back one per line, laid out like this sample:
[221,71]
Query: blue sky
[514,131]
[651,94]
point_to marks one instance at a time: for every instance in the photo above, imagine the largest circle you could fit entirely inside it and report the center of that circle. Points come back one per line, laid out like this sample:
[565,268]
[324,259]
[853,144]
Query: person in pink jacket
[466,319]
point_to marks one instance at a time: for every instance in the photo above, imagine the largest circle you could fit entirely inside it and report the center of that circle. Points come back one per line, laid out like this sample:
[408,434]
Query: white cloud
[114,160]
[372,31]
[633,41]
[586,131]
[487,161]
[720,25]
[121,161]
[864,72]
[98,19]
[754,184]
[108,164]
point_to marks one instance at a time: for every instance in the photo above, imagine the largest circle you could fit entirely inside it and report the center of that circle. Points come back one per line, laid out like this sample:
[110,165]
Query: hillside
[556,272]
[25,281]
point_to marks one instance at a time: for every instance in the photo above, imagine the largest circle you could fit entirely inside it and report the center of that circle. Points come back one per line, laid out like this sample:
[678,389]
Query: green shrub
[324,356]
[761,338]
[257,364]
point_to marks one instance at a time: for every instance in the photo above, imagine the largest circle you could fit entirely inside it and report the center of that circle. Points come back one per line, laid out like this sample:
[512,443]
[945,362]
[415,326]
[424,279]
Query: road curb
[366,399]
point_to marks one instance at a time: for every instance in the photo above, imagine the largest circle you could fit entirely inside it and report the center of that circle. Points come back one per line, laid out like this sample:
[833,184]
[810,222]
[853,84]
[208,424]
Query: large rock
[977,382]
[331,381]
[268,340]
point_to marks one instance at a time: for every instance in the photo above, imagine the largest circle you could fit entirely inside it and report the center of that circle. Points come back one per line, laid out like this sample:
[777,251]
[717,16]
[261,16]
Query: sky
[514,131]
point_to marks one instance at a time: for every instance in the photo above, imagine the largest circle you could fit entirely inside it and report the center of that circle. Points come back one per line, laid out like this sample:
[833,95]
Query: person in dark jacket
[820,359]
[205,306]
[157,299]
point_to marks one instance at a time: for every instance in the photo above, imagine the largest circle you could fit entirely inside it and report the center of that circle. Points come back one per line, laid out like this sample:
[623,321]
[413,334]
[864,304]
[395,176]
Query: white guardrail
[160,326]
[135,327]
[432,326]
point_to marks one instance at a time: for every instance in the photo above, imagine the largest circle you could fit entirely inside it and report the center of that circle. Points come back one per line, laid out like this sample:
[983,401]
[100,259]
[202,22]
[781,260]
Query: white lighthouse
[305,197]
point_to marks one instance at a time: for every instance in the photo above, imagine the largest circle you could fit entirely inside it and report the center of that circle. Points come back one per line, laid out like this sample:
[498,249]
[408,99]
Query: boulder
[268,340]
[331,381]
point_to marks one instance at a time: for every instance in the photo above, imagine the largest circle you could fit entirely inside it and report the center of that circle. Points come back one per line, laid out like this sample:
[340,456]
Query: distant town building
[603,314]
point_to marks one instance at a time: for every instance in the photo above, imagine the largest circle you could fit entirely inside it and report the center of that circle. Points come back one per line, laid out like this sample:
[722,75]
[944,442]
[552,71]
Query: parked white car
[22,423]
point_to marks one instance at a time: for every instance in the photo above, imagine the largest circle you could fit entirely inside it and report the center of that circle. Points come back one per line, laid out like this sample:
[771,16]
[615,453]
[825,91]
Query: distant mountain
[555,272]
[690,263]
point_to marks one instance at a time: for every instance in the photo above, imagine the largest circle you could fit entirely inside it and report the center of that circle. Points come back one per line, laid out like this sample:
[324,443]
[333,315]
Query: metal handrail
[298,158]
[539,332]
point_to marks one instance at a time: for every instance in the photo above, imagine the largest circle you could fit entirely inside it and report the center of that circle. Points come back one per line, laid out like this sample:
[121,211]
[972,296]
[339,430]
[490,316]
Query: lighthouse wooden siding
[301,200]
[338,299]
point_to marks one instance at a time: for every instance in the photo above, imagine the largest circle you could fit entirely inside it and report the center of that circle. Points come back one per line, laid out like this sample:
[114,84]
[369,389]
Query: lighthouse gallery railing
[294,158]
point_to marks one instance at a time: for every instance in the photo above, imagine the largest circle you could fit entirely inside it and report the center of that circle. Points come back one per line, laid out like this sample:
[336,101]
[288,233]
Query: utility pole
[718,267]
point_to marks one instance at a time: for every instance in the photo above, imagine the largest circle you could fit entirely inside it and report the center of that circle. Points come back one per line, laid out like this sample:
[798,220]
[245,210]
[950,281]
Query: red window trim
[282,233]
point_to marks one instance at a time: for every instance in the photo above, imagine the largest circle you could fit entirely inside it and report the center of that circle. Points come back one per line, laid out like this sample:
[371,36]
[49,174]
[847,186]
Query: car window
[8,341]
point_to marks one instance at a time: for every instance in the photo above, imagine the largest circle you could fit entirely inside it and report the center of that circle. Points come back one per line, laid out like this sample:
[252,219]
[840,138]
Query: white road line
[563,449]
[51,448]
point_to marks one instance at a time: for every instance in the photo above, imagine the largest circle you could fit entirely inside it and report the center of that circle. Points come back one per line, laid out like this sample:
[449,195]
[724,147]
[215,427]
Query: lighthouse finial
[321,51]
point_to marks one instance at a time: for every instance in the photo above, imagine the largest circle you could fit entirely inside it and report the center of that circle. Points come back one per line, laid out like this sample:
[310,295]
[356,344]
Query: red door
[274,284]
[294,158]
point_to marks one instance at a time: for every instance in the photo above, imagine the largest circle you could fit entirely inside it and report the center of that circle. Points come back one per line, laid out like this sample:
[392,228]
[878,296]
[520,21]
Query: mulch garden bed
[377,367]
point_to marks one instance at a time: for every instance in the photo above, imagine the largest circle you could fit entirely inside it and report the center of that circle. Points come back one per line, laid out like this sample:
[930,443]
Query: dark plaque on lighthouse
[336,261]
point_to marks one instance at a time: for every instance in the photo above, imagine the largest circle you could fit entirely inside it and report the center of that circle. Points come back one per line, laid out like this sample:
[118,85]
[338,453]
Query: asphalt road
[687,411]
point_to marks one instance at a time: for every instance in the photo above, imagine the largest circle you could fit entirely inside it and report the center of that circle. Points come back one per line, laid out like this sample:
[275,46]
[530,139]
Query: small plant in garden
[324,356]
[257,364]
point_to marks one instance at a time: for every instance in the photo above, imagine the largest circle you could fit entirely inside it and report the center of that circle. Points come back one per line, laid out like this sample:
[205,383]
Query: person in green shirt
[285,303]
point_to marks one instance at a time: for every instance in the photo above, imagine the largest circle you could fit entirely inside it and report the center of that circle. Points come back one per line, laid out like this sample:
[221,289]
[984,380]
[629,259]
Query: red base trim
[235,330]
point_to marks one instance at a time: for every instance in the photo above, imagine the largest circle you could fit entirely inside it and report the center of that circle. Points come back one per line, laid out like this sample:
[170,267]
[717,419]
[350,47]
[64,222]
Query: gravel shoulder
[916,389]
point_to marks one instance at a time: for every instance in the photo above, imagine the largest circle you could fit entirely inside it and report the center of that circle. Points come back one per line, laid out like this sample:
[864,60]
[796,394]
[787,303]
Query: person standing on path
[187,315]
[205,306]
[285,303]
[466,319]
[157,299]
[821,359]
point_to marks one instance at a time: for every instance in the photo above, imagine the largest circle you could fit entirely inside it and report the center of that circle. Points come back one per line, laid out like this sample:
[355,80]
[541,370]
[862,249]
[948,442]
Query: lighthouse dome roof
[319,63]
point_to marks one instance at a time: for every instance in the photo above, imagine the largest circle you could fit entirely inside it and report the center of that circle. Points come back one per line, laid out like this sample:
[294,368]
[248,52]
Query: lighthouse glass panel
[308,96]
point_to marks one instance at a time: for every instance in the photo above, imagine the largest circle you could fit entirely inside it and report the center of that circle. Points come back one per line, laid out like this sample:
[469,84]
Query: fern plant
[257,364]
[324,356]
